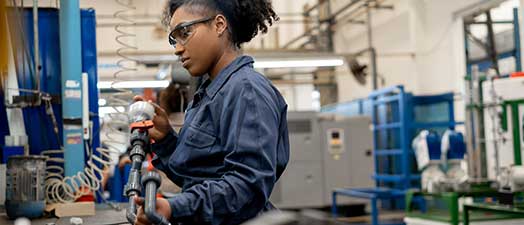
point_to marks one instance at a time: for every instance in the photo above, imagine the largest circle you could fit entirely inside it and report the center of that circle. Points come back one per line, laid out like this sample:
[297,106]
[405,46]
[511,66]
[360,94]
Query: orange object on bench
[517,74]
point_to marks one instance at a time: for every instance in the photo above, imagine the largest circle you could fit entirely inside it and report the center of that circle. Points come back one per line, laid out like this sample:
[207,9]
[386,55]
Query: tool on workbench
[141,114]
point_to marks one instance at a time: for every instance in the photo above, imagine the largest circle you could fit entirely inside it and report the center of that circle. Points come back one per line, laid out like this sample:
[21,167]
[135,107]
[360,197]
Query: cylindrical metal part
[373,53]
[131,209]
[133,183]
[137,154]
[152,182]
[36,45]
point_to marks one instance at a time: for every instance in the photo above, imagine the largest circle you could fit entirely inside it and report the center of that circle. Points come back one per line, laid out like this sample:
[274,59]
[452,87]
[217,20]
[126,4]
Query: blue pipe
[71,65]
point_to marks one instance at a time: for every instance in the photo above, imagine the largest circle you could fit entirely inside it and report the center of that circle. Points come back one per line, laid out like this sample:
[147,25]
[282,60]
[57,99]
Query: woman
[233,146]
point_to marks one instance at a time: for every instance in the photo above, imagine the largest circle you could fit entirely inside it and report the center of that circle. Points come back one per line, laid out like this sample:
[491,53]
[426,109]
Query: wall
[391,39]
[419,44]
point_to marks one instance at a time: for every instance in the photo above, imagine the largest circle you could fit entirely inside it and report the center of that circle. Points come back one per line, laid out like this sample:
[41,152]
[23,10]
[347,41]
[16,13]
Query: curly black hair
[246,18]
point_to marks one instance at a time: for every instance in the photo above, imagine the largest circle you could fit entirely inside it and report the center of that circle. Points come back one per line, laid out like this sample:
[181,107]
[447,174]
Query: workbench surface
[104,216]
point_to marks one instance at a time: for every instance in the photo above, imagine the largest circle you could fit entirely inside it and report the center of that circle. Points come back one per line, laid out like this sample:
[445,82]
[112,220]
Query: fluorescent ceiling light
[265,62]
[133,84]
[301,63]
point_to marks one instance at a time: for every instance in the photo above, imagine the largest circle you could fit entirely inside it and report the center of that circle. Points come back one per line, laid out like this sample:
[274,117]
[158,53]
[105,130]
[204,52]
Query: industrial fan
[359,71]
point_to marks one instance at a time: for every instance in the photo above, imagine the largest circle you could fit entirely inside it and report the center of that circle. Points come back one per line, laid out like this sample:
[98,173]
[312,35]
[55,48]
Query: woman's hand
[162,208]
[161,121]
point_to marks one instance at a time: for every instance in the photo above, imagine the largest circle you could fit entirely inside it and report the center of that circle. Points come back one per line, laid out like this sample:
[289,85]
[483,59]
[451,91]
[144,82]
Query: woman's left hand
[162,207]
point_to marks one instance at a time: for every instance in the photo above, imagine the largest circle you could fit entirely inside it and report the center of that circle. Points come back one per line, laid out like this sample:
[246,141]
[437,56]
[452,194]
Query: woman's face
[199,53]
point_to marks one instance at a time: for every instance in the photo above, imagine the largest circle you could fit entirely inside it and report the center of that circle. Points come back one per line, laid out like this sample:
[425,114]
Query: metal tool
[141,114]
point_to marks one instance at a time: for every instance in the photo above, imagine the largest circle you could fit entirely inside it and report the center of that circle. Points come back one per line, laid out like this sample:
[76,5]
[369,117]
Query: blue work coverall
[230,152]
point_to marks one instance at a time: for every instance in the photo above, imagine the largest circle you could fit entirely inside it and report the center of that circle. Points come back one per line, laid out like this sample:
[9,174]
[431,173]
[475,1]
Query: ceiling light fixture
[133,84]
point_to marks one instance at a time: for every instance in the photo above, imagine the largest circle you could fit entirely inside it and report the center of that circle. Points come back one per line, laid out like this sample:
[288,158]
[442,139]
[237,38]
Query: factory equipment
[25,186]
[346,143]
[327,152]
[504,106]
[141,115]
[46,95]
[494,143]
[440,161]
[512,179]
[453,151]
[397,116]
[428,155]
[301,184]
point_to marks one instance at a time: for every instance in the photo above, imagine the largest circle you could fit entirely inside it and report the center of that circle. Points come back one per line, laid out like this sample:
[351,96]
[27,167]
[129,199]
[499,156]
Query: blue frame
[394,125]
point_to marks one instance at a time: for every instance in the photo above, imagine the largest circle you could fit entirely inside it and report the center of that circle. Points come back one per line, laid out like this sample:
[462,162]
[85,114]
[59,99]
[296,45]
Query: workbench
[104,216]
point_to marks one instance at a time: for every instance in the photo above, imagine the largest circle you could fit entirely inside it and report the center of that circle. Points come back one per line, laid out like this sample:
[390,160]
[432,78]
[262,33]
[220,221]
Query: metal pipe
[373,55]
[492,44]
[132,188]
[36,44]
[152,181]
[315,6]
[305,34]
[131,209]
[343,9]
[330,32]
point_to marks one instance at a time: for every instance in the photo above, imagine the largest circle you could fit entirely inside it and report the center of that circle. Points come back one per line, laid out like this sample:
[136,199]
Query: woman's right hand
[161,121]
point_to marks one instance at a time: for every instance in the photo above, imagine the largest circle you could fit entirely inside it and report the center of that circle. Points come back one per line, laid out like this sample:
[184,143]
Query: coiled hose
[126,64]
[60,189]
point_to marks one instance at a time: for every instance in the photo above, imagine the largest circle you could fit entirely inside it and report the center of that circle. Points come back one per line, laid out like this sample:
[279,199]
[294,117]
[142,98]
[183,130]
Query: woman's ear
[220,24]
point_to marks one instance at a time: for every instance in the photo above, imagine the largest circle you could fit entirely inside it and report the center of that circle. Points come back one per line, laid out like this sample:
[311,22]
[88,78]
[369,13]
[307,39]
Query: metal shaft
[150,202]
[151,181]
[133,187]
[36,44]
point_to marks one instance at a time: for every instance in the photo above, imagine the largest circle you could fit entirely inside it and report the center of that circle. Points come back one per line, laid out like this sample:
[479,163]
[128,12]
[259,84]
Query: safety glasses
[183,32]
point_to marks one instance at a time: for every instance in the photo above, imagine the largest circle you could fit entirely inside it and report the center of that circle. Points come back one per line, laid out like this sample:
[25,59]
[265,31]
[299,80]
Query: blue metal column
[71,64]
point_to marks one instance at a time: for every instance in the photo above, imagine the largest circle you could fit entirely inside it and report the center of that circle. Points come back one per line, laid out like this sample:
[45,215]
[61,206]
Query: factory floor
[104,216]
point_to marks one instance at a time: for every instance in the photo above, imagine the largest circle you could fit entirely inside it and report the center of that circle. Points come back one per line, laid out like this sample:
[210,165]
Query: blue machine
[397,116]
[38,124]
